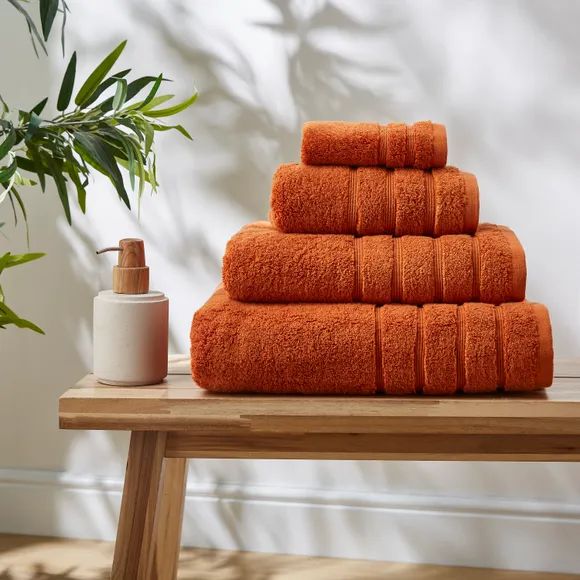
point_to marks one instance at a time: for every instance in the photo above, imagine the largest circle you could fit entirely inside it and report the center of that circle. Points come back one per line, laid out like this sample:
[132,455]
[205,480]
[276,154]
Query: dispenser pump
[130,275]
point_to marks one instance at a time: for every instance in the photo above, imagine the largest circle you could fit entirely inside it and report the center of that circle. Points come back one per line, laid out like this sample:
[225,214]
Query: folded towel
[373,200]
[359,349]
[422,145]
[262,264]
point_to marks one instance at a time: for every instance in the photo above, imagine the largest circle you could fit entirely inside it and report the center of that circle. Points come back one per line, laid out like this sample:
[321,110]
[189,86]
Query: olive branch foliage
[107,126]
[7,315]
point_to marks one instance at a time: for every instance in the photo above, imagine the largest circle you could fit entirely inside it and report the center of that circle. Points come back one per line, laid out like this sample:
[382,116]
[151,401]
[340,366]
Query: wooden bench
[176,420]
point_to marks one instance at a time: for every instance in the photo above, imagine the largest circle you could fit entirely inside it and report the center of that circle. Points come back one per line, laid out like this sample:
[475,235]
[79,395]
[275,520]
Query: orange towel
[373,200]
[422,145]
[359,349]
[262,264]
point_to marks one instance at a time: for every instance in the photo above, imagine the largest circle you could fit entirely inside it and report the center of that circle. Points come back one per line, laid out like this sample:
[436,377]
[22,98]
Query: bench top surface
[178,404]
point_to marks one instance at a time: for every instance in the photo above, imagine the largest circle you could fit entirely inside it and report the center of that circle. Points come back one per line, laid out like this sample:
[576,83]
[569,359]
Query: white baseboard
[487,532]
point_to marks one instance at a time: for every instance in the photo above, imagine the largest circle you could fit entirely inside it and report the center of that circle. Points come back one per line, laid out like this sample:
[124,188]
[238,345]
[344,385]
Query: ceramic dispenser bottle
[130,323]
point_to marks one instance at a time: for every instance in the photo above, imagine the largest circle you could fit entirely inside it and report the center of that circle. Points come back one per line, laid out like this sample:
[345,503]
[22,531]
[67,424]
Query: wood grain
[179,404]
[169,520]
[177,420]
[497,426]
[133,549]
[413,447]
[131,274]
[131,280]
[132,254]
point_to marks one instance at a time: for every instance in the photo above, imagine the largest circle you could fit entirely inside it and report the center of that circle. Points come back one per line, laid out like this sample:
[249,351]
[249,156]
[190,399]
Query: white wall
[502,75]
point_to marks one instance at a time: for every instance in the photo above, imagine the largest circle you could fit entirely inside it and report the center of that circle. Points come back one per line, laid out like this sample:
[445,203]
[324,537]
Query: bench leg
[169,520]
[133,557]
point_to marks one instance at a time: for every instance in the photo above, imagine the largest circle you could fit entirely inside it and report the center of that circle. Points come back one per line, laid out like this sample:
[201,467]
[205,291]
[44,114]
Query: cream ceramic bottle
[130,323]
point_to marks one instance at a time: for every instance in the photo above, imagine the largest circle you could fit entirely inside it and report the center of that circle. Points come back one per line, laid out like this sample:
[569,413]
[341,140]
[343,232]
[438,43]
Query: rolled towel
[373,200]
[262,264]
[359,349]
[422,145]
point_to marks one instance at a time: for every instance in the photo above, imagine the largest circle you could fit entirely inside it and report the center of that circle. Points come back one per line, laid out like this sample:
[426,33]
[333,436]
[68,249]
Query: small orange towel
[373,200]
[422,145]
[359,349]
[262,264]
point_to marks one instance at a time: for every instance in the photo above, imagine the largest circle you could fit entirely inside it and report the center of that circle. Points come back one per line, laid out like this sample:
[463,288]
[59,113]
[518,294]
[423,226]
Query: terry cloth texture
[422,145]
[262,264]
[360,349]
[373,200]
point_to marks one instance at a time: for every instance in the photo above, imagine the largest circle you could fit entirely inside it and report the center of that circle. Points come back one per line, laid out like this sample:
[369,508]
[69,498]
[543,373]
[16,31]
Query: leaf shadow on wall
[252,134]
[233,111]
[320,85]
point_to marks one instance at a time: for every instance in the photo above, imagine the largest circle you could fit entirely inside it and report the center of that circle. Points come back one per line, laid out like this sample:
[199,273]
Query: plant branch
[112,134]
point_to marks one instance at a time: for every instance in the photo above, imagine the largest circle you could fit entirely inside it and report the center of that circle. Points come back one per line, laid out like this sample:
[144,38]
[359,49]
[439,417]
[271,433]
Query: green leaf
[13,206]
[152,168]
[31,26]
[39,107]
[4,260]
[183,131]
[97,76]
[6,173]
[155,102]
[141,171]
[114,137]
[139,84]
[153,91]
[15,195]
[124,149]
[81,191]
[64,11]
[23,116]
[96,152]
[179,128]
[149,136]
[48,9]
[120,94]
[34,164]
[8,316]
[105,85]
[5,107]
[23,323]
[21,180]
[25,164]
[130,163]
[18,259]
[72,167]
[173,110]
[132,89]
[33,126]
[14,192]
[68,81]
[131,126]
[81,197]
[57,174]
[8,143]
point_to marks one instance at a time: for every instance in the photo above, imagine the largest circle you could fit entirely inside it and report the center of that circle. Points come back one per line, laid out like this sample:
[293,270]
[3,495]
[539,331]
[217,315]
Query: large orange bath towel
[359,349]
[373,200]
[422,145]
[262,264]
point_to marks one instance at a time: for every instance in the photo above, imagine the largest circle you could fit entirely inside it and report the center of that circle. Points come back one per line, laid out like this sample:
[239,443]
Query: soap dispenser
[130,323]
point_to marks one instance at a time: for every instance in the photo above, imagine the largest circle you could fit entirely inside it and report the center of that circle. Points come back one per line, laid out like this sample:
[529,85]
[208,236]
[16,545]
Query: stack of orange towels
[373,277]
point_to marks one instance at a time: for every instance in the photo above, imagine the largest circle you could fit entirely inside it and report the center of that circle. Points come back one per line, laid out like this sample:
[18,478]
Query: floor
[40,558]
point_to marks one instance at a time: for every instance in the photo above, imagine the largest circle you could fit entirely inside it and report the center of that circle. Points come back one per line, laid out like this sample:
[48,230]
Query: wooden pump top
[130,275]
